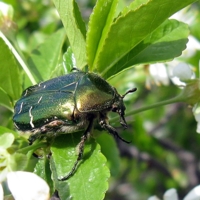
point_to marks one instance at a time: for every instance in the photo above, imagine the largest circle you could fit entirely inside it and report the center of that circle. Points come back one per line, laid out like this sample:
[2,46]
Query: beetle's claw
[123,122]
[128,142]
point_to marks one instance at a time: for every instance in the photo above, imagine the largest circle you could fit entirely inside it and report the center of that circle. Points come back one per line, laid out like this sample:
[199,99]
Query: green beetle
[68,104]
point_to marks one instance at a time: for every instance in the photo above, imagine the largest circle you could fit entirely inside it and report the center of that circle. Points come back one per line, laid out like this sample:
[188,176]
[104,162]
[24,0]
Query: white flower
[194,194]
[26,186]
[6,141]
[171,194]
[23,185]
[158,75]
[192,46]
[6,10]
[1,192]
[153,198]
[196,112]
[6,16]
[184,15]
[182,73]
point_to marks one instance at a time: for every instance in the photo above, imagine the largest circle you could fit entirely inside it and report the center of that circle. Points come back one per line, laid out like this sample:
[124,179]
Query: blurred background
[165,148]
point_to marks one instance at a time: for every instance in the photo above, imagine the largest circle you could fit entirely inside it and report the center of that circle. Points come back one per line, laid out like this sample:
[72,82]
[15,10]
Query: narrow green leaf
[5,100]
[90,178]
[79,19]
[4,130]
[98,27]
[165,43]
[130,29]
[9,77]
[44,59]
[75,28]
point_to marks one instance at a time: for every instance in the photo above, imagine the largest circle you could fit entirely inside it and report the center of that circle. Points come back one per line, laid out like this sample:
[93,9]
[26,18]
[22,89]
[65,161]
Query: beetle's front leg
[104,124]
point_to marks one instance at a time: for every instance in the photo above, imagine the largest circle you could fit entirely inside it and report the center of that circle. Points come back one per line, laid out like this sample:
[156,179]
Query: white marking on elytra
[44,86]
[26,92]
[39,99]
[40,84]
[20,110]
[16,125]
[31,117]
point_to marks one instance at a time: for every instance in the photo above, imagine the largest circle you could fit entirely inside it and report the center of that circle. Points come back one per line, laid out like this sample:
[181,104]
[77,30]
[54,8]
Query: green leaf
[5,100]
[4,130]
[20,162]
[43,60]
[6,140]
[165,43]
[91,176]
[133,6]
[75,28]
[61,186]
[69,61]
[110,151]
[42,169]
[9,77]
[98,27]
[130,29]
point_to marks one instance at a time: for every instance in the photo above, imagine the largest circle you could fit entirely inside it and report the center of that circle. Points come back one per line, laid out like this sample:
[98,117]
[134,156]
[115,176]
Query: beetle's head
[119,107]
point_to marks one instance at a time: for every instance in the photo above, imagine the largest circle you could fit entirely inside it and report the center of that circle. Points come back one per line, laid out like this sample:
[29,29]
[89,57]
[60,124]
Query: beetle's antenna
[129,91]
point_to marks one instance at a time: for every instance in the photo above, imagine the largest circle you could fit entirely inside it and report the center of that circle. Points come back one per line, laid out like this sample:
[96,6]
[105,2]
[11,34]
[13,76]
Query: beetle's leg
[34,137]
[80,155]
[104,124]
[41,132]
[81,150]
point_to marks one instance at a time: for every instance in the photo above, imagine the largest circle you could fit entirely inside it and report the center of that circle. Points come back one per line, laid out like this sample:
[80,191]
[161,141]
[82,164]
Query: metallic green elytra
[68,104]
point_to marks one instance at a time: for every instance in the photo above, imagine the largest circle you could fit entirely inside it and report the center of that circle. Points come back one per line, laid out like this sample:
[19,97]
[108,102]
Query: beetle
[69,104]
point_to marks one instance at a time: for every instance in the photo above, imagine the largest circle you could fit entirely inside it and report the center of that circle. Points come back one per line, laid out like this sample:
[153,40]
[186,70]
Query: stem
[32,147]
[178,98]
[18,57]
[161,103]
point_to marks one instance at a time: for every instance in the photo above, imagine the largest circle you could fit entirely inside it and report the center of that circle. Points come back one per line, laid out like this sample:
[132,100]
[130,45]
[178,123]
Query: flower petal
[153,198]
[27,186]
[171,194]
[1,192]
[194,194]
[183,72]
[196,112]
